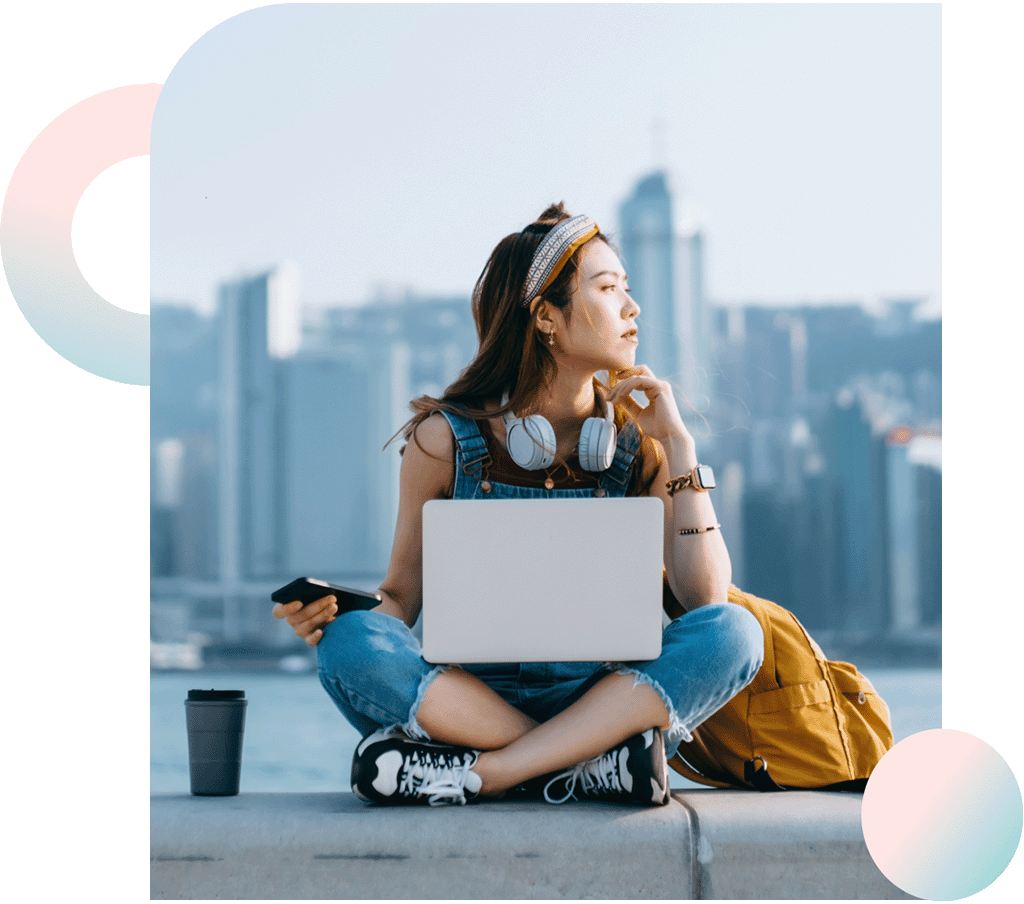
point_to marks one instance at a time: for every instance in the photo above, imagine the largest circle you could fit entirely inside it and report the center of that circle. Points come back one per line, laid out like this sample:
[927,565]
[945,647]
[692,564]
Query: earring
[551,338]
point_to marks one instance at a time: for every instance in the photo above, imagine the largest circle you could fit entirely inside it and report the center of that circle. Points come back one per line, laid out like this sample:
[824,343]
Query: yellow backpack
[803,722]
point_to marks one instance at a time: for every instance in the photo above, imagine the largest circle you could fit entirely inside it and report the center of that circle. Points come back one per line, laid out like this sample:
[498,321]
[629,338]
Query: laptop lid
[542,580]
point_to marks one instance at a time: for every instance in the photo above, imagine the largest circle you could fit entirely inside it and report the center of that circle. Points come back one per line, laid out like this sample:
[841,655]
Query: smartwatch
[701,478]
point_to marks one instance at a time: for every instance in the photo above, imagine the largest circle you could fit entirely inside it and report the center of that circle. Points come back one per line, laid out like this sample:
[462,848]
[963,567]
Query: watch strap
[686,481]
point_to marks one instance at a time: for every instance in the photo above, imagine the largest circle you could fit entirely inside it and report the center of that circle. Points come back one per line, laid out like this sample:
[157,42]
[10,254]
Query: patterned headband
[553,251]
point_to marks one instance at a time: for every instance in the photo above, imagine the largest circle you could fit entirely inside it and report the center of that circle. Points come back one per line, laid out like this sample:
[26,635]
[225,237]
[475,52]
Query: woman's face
[600,332]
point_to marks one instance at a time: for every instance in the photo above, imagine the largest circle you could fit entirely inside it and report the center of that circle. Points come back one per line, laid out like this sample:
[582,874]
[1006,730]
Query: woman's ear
[543,315]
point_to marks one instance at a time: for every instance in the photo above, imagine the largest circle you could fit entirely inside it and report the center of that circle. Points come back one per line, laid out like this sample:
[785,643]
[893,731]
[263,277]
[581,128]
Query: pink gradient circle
[942,815]
[35,233]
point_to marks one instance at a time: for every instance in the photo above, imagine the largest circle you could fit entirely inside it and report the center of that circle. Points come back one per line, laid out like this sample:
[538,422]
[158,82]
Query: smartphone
[310,590]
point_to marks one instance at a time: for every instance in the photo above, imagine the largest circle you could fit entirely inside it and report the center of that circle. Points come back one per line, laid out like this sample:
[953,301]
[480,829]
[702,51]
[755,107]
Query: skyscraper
[665,264]
[258,326]
[929,518]
[646,245]
[856,458]
[904,544]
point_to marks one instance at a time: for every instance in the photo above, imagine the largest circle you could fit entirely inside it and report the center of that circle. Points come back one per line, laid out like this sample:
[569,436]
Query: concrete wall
[704,844]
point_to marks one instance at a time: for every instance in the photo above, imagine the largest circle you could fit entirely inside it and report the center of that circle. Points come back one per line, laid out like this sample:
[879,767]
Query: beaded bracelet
[699,530]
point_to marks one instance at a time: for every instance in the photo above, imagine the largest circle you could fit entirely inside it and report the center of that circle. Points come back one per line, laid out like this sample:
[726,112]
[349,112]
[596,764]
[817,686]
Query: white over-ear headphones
[531,440]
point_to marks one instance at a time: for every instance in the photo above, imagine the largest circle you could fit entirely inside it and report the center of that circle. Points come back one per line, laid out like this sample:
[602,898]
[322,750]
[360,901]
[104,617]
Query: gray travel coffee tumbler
[215,721]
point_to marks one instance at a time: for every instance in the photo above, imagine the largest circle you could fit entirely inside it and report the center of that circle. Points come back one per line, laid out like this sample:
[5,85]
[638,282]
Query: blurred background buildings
[823,424]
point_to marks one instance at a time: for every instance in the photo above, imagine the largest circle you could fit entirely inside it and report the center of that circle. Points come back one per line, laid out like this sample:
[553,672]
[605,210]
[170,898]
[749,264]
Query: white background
[76,456]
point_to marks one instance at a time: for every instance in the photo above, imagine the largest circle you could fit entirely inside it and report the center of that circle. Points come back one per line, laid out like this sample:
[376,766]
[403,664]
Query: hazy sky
[396,145]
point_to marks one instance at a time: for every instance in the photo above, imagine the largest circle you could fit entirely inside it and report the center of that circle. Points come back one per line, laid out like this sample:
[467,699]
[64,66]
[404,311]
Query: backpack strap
[837,712]
[689,772]
[762,781]
[701,766]
[759,779]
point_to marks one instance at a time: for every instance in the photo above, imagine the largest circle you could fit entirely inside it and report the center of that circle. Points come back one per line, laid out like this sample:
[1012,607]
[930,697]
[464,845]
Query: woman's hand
[660,418]
[307,621]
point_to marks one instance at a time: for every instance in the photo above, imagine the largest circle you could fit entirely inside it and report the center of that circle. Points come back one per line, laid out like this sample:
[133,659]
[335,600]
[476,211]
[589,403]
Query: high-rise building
[166,475]
[183,426]
[666,276]
[258,326]
[326,504]
[901,511]
[183,372]
[694,322]
[928,476]
[646,244]
[855,453]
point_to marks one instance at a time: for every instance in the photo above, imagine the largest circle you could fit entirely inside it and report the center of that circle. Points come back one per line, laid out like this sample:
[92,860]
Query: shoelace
[599,774]
[440,777]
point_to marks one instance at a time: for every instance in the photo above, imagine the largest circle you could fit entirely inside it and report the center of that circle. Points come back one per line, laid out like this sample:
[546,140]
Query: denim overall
[371,664]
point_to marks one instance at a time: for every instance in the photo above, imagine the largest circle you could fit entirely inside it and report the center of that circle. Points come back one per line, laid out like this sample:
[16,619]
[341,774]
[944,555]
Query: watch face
[706,477]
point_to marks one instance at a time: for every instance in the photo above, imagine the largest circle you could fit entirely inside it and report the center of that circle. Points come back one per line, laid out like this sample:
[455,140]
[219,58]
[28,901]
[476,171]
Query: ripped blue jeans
[372,666]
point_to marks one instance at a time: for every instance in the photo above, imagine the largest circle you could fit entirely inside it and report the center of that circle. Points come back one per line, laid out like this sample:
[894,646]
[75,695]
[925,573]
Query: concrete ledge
[793,845]
[704,844]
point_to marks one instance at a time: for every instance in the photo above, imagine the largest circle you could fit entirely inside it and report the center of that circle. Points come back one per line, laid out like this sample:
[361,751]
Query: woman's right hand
[307,621]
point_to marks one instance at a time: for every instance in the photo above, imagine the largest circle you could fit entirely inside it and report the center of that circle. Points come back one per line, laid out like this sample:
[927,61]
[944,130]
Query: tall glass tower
[646,245]
[666,276]
[258,326]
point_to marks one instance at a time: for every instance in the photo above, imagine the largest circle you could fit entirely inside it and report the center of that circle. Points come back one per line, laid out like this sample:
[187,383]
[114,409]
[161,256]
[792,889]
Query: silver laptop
[542,580]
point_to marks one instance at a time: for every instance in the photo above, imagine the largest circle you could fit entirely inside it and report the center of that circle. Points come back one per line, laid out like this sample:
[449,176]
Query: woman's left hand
[660,418]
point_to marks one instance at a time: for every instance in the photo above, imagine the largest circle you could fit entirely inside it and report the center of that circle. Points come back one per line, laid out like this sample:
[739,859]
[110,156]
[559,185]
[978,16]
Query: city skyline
[826,424]
[808,172]
[803,141]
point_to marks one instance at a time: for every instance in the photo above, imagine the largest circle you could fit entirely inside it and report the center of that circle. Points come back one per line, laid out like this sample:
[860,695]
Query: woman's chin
[628,360]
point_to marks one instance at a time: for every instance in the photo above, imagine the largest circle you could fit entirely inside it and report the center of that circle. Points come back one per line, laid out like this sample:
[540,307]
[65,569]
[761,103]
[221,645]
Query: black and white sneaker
[390,768]
[635,772]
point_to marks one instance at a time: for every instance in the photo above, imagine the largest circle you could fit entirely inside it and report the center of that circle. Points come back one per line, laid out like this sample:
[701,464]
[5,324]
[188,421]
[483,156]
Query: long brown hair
[513,355]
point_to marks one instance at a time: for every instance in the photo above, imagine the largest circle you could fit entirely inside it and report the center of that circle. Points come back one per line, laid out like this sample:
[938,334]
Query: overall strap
[616,478]
[471,456]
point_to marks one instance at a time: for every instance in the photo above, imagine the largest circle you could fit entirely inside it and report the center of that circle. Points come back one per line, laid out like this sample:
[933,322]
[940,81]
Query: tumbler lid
[216,695]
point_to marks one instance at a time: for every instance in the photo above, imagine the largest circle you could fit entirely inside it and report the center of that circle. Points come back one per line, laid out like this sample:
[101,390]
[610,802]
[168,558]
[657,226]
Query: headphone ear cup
[531,442]
[597,444]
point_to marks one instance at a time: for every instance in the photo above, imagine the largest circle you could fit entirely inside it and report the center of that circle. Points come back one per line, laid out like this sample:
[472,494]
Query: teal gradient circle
[35,233]
[942,815]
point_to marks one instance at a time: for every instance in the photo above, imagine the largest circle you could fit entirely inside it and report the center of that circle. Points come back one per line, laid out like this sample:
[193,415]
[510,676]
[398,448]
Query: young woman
[552,311]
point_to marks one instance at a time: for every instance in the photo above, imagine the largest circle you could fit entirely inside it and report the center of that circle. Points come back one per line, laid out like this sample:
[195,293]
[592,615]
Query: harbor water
[295,740]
